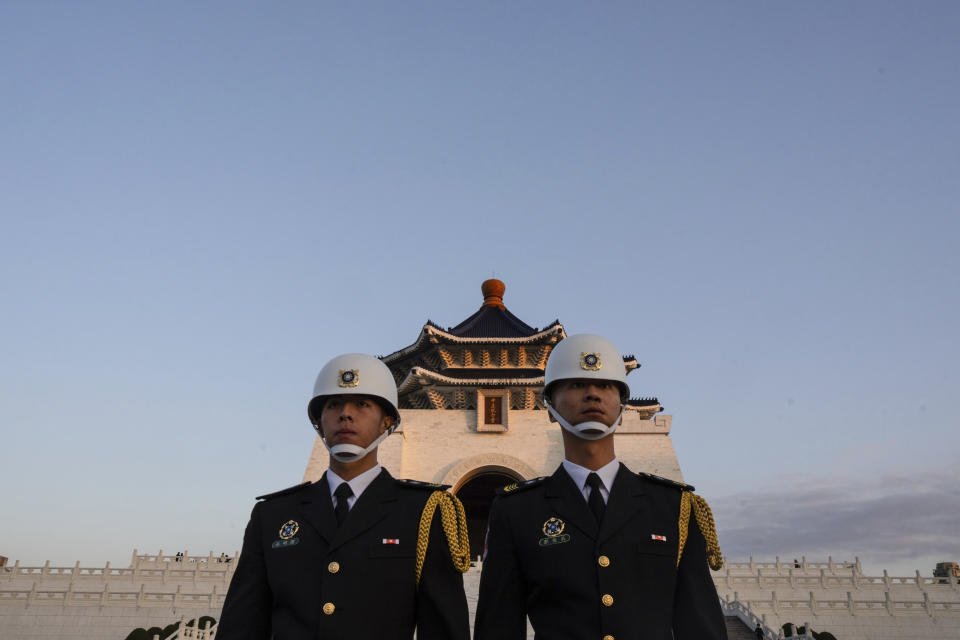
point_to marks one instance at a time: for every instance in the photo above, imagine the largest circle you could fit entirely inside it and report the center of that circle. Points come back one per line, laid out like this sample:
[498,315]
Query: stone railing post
[141,596]
[920,582]
[803,562]
[133,560]
[889,601]
[927,605]
[793,580]
[105,594]
[886,579]
[855,578]
[778,565]
[760,578]
[851,607]
[813,605]
[753,565]
[68,596]
[178,597]
[46,569]
[106,570]
[857,567]
[76,570]
[774,604]
[166,570]
[32,596]
[16,570]
[830,563]
[823,577]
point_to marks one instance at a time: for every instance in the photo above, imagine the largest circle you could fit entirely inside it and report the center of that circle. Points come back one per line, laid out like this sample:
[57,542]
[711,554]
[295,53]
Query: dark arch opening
[477,495]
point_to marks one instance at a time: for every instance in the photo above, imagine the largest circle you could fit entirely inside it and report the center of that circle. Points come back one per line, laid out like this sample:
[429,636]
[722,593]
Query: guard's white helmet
[585,355]
[590,357]
[354,374]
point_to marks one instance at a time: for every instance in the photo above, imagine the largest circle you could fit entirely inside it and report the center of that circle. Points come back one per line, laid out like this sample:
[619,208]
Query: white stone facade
[444,446]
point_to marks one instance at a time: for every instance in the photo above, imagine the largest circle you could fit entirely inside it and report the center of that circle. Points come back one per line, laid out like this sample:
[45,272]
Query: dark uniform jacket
[357,582]
[547,559]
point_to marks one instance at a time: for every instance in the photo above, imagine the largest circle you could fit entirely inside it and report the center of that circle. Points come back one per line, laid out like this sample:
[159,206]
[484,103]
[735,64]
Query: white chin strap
[589,430]
[351,452]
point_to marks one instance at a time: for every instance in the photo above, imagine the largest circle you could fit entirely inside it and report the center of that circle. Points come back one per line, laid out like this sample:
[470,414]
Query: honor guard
[596,550]
[357,554]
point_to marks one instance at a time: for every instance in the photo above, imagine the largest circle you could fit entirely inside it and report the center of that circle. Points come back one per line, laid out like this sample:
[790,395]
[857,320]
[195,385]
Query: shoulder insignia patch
[666,481]
[517,487]
[418,484]
[283,492]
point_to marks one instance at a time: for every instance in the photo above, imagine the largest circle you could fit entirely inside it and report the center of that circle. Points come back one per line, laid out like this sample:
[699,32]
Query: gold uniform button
[333,567]
[607,637]
[329,608]
[604,561]
[607,599]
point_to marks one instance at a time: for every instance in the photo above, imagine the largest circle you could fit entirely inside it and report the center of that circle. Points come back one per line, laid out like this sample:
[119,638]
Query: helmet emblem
[590,361]
[348,378]
[553,527]
[289,530]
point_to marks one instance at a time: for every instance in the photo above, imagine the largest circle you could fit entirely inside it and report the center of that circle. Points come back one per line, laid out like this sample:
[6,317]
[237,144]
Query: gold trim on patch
[292,532]
[553,527]
[590,361]
[348,378]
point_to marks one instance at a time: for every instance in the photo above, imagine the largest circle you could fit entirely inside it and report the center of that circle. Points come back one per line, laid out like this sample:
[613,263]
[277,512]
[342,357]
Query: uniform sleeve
[247,607]
[501,612]
[441,602]
[696,606]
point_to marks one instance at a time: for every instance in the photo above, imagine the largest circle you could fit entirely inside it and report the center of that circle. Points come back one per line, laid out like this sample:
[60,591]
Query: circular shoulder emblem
[553,527]
[289,530]
[590,361]
[348,378]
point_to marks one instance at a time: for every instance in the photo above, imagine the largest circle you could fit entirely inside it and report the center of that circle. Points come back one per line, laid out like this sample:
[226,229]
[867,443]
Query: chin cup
[589,430]
[350,452]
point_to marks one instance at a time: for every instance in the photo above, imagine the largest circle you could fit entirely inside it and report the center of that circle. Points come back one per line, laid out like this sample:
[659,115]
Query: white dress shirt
[579,474]
[358,485]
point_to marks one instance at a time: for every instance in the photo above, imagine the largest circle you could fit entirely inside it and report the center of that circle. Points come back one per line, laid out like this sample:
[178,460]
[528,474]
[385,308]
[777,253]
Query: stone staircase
[736,630]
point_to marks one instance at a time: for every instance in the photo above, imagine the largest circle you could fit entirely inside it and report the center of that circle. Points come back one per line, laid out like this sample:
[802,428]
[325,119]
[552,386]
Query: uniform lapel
[367,510]
[316,507]
[623,503]
[565,498]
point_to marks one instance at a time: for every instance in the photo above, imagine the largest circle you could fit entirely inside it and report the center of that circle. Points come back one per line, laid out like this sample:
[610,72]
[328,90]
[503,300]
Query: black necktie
[341,493]
[595,500]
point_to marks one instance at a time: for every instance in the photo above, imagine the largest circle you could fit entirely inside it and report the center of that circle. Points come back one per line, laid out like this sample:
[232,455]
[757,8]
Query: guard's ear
[388,421]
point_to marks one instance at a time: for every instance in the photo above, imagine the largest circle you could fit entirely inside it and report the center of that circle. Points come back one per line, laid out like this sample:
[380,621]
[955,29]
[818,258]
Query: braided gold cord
[454,521]
[684,520]
[704,517]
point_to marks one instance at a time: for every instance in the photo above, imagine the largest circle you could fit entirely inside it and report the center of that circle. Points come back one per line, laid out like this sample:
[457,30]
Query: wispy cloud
[893,522]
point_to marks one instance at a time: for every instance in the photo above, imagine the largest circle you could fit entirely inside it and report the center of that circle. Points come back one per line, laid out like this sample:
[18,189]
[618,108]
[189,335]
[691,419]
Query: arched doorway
[477,495]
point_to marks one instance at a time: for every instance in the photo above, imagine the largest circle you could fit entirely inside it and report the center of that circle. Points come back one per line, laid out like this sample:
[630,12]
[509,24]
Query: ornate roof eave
[431,330]
[433,376]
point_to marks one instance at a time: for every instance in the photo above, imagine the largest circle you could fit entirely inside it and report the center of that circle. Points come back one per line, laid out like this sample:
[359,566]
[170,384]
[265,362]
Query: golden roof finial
[493,293]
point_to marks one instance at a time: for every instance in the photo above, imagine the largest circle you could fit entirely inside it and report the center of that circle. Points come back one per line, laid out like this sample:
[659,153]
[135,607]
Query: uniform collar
[578,474]
[358,485]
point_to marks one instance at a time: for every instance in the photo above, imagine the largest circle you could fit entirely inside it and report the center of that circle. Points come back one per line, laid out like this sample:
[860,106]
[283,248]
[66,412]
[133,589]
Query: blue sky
[202,204]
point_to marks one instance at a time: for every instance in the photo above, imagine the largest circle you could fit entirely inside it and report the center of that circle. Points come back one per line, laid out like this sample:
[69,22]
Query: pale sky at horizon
[202,204]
